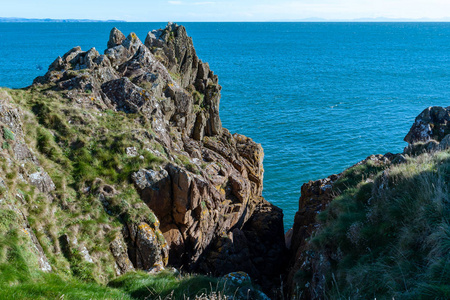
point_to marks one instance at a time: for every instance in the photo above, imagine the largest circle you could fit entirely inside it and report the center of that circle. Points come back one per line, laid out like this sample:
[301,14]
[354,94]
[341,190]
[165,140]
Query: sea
[319,97]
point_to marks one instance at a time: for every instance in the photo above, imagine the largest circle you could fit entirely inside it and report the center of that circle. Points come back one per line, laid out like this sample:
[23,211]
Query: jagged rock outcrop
[209,184]
[431,124]
[116,38]
[430,131]
[131,77]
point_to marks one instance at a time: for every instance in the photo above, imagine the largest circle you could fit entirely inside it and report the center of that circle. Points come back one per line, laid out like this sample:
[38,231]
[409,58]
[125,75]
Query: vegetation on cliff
[116,163]
[115,168]
[383,230]
[391,235]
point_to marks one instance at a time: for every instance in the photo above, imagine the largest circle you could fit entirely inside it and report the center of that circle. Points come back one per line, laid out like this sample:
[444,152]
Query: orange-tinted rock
[146,249]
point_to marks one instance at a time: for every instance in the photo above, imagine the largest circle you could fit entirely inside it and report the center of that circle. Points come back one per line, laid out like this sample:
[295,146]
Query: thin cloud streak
[230,10]
[204,3]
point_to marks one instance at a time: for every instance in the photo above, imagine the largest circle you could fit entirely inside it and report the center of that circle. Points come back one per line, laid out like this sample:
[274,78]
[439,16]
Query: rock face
[207,193]
[145,250]
[42,181]
[430,131]
[141,244]
[315,198]
[258,248]
[120,253]
[432,124]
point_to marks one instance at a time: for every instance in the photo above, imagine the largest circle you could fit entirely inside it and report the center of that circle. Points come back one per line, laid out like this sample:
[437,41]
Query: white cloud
[204,3]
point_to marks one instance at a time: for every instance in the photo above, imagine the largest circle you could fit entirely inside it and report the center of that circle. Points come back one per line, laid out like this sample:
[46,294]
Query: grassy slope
[21,279]
[76,144]
[92,145]
[391,233]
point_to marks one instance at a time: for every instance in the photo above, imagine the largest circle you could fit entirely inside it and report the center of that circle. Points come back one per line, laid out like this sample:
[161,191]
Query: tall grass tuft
[390,237]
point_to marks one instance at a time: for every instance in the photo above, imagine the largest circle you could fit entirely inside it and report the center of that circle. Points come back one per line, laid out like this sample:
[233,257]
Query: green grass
[184,160]
[21,279]
[175,76]
[140,285]
[8,134]
[356,174]
[198,98]
[77,146]
[392,234]
[82,149]
[50,286]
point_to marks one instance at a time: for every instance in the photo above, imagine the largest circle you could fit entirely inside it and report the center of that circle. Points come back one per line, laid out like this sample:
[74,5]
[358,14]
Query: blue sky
[219,10]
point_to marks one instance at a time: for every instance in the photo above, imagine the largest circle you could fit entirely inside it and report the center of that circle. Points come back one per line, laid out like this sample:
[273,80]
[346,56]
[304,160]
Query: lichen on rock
[135,158]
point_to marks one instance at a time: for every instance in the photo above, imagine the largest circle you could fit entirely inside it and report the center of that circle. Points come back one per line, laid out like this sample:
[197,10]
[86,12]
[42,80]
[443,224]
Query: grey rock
[125,95]
[432,123]
[71,54]
[445,143]
[21,151]
[42,181]
[131,151]
[57,64]
[119,251]
[121,53]
[116,38]
[155,189]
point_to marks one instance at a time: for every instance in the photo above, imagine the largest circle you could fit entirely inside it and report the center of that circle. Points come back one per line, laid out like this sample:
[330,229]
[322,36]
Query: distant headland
[24,20]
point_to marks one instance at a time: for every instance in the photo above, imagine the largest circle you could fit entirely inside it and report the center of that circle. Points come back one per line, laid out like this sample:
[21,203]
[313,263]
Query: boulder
[116,38]
[42,181]
[432,123]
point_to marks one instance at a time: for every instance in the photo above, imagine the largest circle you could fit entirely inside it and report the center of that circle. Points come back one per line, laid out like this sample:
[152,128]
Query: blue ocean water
[319,97]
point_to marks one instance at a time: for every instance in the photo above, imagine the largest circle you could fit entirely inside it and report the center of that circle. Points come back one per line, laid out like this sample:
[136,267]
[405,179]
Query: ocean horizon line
[305,20]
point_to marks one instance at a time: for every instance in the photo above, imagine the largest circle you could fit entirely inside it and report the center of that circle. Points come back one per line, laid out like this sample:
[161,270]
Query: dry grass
[392,235]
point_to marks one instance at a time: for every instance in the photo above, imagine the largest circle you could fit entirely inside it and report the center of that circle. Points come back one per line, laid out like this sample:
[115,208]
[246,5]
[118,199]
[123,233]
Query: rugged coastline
[134,136]
[117,163]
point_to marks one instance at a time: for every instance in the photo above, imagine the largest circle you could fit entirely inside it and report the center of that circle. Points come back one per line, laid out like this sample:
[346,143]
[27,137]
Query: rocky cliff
[118,162]
[121,162]
[372,230]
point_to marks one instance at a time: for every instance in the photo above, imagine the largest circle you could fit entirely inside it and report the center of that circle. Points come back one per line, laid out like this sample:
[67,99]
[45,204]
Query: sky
[221,10]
